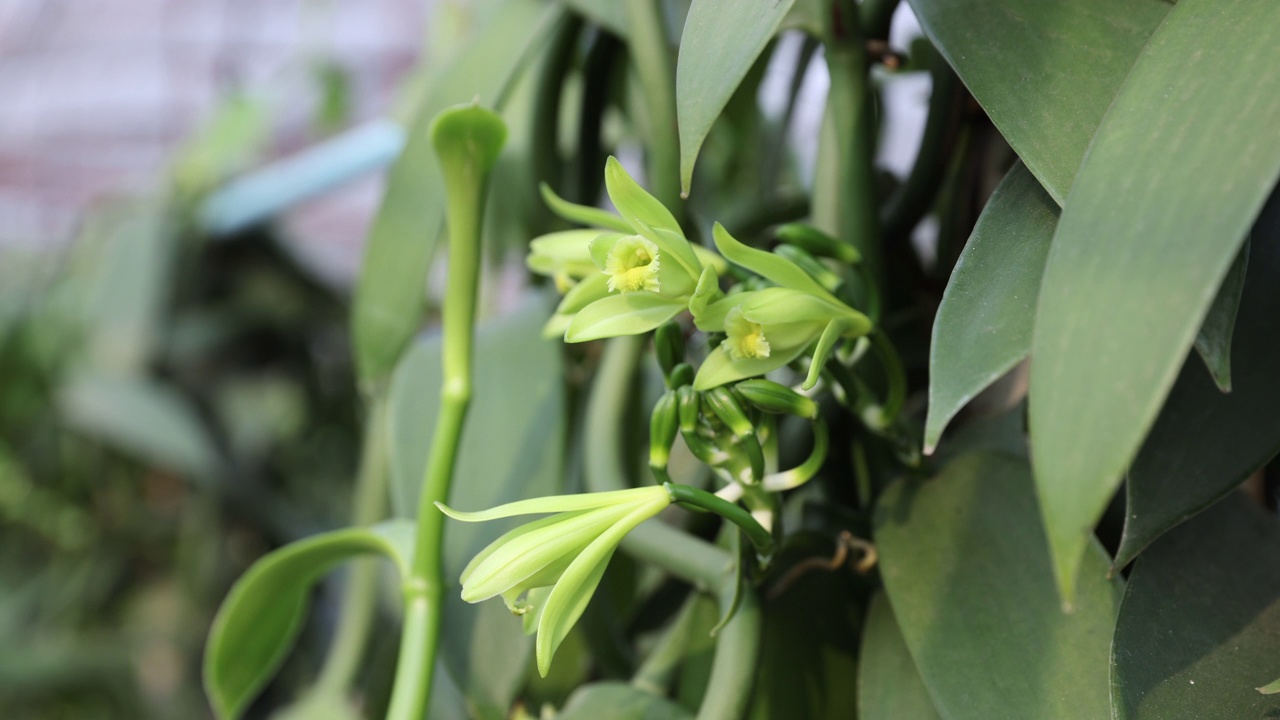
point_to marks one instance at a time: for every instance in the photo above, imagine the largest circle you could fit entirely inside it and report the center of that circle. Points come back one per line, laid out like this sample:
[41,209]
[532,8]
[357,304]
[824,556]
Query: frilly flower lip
[547,570]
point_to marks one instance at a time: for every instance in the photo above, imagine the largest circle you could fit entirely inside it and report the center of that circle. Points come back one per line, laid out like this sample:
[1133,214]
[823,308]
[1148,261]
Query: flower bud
[690,403]
[773,397]
[668,345]
[818,243]
[681,375]
[664,423]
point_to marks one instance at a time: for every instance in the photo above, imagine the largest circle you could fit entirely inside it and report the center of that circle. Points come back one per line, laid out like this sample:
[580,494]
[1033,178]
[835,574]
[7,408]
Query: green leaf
[889,686]
[627,314]
[1205,443]
[966,569]
[262,614]
[1045,72]
[1198,626]
[389,294]
[722,39]
[619,701]
[512,448]
[1174,178]
[1213,342]
[142,418]
[983,327]
[608,14]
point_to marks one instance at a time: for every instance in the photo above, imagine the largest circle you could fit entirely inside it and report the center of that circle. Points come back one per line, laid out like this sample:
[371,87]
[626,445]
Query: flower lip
[746,340]
[632,264]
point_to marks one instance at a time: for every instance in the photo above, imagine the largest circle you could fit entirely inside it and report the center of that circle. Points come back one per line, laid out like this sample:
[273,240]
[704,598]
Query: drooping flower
[547,570]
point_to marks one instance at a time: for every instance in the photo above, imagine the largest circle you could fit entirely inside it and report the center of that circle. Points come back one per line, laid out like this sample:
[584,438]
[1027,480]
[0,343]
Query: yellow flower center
[746,339]
[632,265]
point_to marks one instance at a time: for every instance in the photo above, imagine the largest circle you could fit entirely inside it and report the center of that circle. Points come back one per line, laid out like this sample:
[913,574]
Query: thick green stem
[651,56]
[848,207]
[359,599]
[693,497]
[467,154]
[733,668]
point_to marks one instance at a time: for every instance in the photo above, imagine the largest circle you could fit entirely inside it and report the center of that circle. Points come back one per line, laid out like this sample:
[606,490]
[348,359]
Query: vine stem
[423,590]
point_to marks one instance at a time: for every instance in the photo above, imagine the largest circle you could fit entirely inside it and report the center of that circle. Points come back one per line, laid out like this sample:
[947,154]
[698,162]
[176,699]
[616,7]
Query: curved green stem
[359,599]
[895,375]
[693,497]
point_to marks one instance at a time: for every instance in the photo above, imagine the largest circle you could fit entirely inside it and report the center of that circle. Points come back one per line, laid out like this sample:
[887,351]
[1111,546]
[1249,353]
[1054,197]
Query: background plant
[981,572]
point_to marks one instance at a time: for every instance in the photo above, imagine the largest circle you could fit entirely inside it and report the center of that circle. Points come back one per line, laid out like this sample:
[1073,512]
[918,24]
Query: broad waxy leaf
[619,701]
[389,295]
[1213,342]
[1045,72]
[1205,443]
[1200,622]
[889,686]
[1175,176]
[722,40]
[511,450]
[983,327]
[262,614]
[966,570]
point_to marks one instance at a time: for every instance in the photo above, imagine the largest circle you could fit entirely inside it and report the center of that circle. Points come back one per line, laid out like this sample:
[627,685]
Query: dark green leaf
[722,40]
[390,291]
[1213,342]
[889,686]
[511,449]
[966,569]
[608,14]
[983,327]
[1205,443]
[260,618]
[1199,625]
[1045,72]
[1175,176]
[619,701]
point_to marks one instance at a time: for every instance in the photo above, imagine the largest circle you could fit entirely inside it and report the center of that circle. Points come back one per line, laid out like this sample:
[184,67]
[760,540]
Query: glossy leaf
[141,417]
[1205,443]
[983,326]
[511,450]
[722,39]
[261,616]
[1213,342]
[1198,626]
[1174,178]
[966,570]
[889,686]
[390,292]
[1045,72]
[619,701]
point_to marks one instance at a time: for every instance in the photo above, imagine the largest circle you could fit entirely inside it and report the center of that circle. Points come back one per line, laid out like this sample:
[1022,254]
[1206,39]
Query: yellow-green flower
[632,264]
[547,570]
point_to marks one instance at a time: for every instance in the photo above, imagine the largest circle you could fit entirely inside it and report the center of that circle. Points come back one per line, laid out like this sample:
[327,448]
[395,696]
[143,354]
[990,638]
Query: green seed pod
[664,423]
[690,402]
[818,243]
[721,402]
[773,397]
[668,345]
[811,265]
[681,375]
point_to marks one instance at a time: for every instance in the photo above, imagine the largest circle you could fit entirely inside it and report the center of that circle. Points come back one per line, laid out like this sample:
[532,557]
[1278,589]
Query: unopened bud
[668,345]
[690,402]
[664,423]
[725,406]
[681,375]
[818,243]
[773,397]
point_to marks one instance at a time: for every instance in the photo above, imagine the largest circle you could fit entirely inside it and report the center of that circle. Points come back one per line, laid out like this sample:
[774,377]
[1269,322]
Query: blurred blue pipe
[263,193]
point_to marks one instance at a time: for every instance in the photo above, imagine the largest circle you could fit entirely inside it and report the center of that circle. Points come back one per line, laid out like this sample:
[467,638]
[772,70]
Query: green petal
[505,538]
[515,562]
[592,288]
[582,213]
[774,267]
[674,246]
[555,504]
[705,293]
[629,314]
[719,368]
[569,597]
[634,202]
[833,332]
